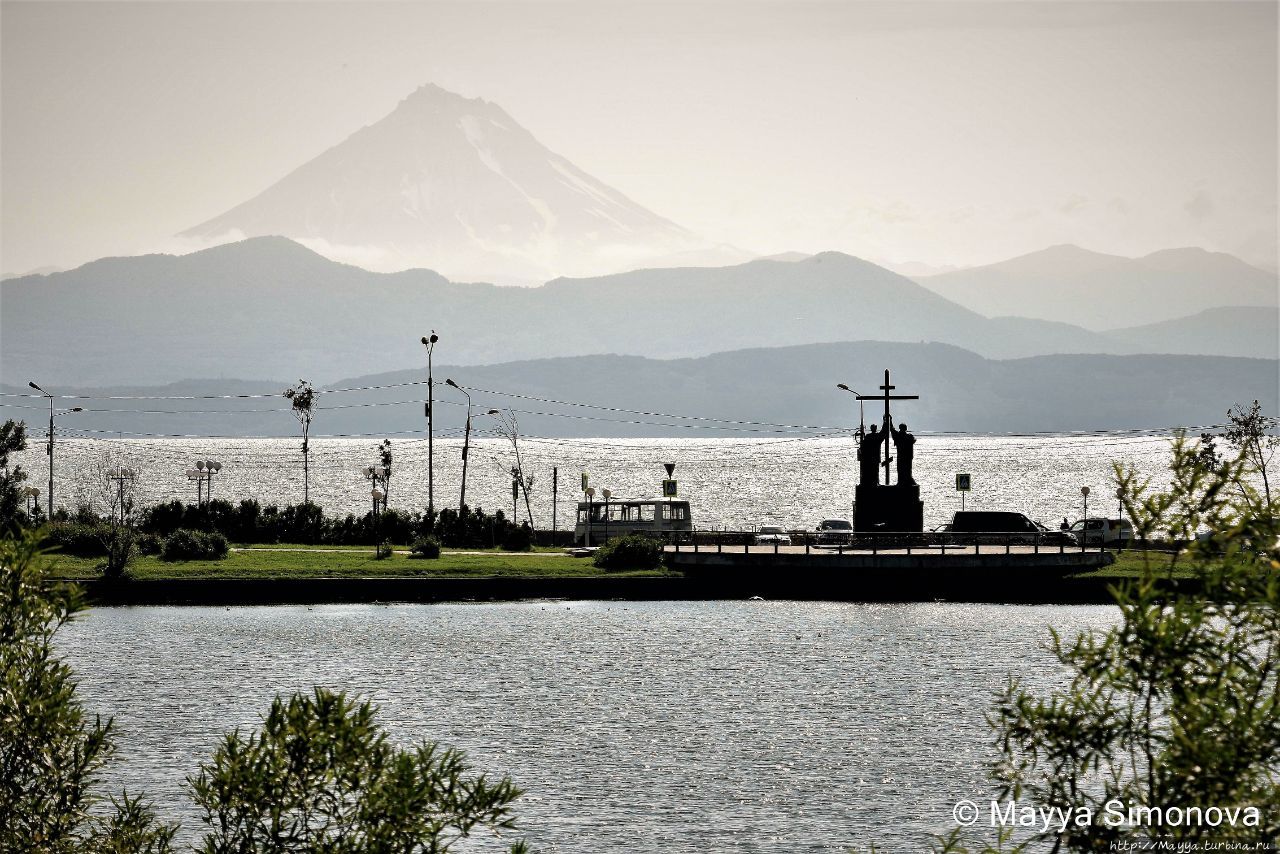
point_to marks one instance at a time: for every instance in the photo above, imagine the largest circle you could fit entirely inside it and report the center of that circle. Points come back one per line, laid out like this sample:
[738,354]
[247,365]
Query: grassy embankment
[276,561]
[323,562]
[1130,564]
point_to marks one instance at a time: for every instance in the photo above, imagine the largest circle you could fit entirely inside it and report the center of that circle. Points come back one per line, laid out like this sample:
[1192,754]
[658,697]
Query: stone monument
[887,507]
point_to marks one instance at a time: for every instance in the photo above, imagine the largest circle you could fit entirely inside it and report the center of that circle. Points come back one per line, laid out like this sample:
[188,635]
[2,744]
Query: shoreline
[986,588]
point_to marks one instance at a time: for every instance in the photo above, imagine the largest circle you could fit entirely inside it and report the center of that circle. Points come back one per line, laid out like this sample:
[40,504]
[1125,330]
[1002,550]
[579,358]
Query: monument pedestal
[888,508]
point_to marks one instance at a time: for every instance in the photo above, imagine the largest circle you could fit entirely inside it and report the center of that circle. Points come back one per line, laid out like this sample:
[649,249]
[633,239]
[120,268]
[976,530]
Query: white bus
[599,521]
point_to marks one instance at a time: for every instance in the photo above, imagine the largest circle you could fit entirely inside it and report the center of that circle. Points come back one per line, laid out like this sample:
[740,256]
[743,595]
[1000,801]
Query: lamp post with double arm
[49,447]
[466,442]
[430,344]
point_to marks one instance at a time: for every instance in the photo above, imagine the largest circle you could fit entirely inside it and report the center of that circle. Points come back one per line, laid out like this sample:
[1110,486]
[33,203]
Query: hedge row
[308,524]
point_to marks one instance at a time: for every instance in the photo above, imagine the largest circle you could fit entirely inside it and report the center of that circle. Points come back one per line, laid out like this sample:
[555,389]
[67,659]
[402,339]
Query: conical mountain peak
[456,185]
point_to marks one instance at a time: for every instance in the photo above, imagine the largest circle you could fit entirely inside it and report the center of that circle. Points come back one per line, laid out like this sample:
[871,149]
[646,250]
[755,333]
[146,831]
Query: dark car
[833,532]
[1005,526]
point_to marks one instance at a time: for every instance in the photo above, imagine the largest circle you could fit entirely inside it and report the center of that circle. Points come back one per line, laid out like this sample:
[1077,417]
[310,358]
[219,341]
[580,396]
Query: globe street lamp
[466,441]
[430,344]
[196,476]
[204,471]
[32,495]
[49,447]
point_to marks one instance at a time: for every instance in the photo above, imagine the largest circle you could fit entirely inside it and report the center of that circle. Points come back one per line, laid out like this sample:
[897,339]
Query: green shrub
[74,538]
[633,551]
[519,539]
[149,544]
[322,775]
[184,544]
[425,547]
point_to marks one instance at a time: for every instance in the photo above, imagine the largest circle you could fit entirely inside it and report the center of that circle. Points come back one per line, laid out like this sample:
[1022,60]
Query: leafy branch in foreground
[50,753]
[1177,705]
[321,776]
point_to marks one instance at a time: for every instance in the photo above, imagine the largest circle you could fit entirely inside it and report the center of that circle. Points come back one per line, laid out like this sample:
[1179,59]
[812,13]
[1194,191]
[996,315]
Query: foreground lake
[641,727]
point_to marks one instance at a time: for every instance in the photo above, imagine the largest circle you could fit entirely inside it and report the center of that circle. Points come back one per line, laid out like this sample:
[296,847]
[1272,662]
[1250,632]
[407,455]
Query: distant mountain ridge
[270,307]
[457,185]
[1226,331]
[959,390]
[1097,291]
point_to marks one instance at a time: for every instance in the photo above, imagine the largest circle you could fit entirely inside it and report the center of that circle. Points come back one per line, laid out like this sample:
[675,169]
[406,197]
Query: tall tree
[1254,435]
[521,481]
[13,438]
[384,458]
[303,399]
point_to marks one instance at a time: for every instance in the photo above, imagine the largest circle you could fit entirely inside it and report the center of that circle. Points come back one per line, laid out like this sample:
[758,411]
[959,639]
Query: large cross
[886,397]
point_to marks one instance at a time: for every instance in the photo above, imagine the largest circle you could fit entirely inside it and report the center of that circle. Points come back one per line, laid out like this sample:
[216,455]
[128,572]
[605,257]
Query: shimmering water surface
[731,482]
[637,727]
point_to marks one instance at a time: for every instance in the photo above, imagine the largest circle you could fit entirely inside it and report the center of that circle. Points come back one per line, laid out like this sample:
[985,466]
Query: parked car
[1097,531]
[771,534]
[1006,526]
[832,532]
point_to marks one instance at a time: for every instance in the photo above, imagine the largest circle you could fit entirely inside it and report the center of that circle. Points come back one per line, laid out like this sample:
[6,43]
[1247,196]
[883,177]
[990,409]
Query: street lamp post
[120,474]
[1120,517]
[1084,524]
[204,474]
[862,420]
[861,415]
[377,495]
[607,495]
[196,476]
[379,479]
[49,447]
[430,344]
[466,441]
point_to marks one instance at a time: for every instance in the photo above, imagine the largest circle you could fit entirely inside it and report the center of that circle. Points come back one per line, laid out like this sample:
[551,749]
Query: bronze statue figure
[904,442]
[869,456]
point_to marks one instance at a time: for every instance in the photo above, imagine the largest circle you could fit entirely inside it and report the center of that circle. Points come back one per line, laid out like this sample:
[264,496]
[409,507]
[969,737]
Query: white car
[1096,531]
[770,534]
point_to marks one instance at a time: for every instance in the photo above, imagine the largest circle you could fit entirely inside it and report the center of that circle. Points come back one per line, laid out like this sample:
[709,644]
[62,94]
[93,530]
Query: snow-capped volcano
[456,185]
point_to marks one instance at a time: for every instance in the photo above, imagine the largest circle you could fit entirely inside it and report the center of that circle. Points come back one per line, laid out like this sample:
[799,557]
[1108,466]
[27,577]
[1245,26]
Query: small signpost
[669,484]
[963,483]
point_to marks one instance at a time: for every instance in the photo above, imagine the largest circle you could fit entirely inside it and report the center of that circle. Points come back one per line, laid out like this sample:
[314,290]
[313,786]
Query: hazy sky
[949,133]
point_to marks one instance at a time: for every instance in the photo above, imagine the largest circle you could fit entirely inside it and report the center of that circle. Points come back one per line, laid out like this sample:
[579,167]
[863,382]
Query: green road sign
[584,481]
[962,482]
[668,489]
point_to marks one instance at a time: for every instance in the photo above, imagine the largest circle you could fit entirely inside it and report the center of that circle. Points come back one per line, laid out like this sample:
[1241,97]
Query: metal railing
[874,542]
